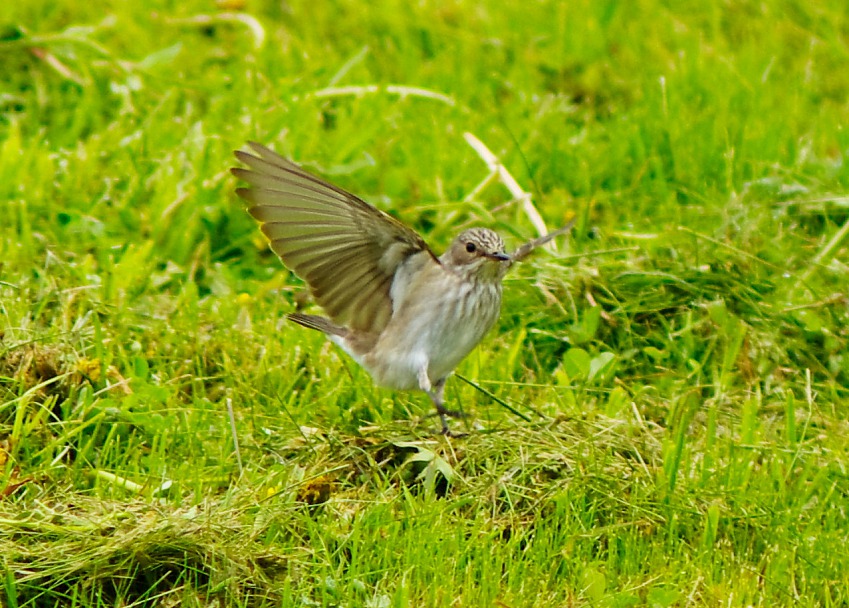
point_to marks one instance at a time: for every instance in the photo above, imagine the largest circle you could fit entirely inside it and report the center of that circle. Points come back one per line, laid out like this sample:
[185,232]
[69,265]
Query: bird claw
[444,412]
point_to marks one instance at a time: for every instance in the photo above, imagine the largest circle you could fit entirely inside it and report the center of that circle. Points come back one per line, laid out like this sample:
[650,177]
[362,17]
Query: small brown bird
[405,314]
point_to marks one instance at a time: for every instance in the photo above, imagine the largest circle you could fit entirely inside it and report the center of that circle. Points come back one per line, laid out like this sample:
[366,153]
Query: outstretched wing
[346,250]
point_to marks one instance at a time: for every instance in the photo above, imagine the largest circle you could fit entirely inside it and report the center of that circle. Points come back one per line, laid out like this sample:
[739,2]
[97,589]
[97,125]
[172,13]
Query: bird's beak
[499,257]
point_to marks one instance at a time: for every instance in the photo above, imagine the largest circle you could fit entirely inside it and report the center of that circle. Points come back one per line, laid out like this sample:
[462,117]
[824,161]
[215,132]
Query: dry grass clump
[56,550]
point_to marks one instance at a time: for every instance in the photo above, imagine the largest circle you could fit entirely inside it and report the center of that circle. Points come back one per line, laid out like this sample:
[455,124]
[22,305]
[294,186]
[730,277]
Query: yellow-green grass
[681,364]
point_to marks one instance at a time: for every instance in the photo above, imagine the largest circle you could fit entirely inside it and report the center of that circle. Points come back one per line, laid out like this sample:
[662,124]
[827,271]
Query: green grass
[683,360]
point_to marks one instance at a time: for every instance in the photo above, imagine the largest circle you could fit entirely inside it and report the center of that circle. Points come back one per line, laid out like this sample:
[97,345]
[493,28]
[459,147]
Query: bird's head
[478,253]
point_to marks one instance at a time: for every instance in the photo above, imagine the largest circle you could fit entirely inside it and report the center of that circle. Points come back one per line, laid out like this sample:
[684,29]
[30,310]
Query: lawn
[659,418]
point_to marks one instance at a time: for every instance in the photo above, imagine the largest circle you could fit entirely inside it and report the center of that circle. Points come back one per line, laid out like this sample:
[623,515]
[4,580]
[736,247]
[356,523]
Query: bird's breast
[438,319]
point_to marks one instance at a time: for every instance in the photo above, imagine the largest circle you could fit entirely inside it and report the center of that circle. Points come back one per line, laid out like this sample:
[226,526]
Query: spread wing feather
[346,250]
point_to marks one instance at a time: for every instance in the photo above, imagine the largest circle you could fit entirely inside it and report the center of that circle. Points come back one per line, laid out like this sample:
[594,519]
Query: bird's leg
[435,392]
[436,397]
[439,402]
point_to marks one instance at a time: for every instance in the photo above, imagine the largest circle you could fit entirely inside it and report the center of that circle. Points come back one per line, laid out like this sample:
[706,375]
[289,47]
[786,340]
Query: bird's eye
[470,247]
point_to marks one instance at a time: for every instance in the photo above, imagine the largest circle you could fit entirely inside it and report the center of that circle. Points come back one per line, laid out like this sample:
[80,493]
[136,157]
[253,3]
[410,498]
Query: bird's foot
[444,411]
[447,432]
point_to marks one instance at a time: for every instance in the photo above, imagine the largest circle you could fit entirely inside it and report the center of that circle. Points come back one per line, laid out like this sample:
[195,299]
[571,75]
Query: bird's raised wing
[346,250]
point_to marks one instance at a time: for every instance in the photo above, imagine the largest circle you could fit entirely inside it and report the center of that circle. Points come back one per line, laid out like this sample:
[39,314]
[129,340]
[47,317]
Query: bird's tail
[322,324]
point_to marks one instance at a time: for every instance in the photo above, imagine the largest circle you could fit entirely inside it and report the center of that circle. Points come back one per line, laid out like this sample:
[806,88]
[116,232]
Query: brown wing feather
[344,248]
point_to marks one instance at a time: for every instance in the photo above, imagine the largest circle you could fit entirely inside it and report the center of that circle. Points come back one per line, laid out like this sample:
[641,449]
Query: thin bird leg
[443,412]
[436,397]
[435,392]
[439,402]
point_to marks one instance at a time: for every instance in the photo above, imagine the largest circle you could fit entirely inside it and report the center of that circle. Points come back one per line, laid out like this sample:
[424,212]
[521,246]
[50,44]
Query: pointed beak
[499,257]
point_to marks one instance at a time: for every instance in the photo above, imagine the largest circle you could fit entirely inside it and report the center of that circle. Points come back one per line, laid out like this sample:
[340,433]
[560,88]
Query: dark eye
[470,247]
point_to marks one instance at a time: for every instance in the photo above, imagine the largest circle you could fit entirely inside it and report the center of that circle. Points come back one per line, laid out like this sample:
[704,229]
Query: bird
[406,315]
